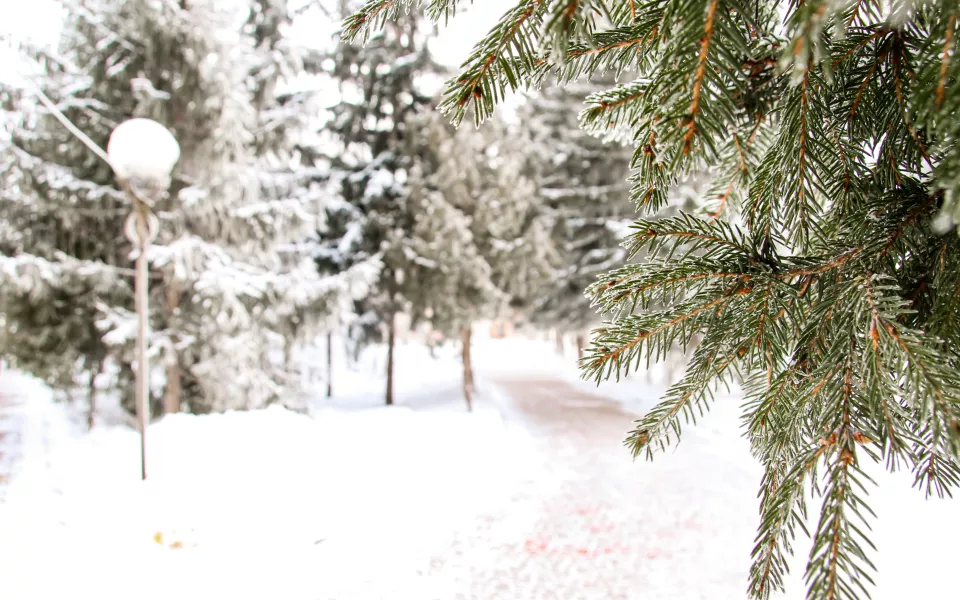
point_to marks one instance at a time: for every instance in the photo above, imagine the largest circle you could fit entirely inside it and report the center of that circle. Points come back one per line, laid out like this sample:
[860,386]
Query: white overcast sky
[458,37]
[33,19]
[39,21]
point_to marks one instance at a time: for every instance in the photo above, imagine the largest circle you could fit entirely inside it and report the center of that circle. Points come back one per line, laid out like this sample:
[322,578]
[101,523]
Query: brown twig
[362,19]
[911,217]
[836,262]
[699,77]
[945,60]
[903,109]
[733,180]
[860,90]
[605,106]
[691,234]
[640,290]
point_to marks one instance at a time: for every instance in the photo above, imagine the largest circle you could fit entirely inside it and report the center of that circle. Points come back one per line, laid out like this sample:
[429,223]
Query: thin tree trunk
[92,392]
[559,342]
[581,343]
[174,390]
[288,353]
[329,364]
[431,343]
[465,335]
[173,394]
[391,341]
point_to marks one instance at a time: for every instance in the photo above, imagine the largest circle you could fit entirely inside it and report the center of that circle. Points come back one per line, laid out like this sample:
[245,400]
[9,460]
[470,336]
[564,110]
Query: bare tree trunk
[173,393]
[92,392]
[581,343]
[465,335]
[329,364]
[559,340]
[288,353]
[174,390]
[391,341]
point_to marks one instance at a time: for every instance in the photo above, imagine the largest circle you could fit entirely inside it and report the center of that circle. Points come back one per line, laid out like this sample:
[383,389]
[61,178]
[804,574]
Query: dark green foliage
[822,275]
[377,148]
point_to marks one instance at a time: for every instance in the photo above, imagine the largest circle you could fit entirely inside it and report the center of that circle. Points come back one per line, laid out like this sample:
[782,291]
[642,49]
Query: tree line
[290,215]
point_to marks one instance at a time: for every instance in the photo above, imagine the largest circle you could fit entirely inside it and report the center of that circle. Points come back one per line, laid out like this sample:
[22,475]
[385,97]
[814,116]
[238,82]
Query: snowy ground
[531,496]
[700,499]
[248,505]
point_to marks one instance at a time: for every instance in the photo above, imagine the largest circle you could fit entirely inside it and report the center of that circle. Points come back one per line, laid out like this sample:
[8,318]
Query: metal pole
[141,230]
[141,286]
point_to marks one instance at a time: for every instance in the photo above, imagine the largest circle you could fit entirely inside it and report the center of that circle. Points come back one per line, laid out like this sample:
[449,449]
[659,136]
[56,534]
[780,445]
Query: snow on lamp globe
[142,154]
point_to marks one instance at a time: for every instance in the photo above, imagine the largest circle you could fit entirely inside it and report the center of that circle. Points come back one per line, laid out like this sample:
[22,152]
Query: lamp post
[142,153]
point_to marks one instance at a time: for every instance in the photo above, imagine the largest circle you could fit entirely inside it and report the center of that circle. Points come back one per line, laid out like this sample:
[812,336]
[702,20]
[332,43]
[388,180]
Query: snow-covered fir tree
[481,239]
[583,181]
[517,225]
[375,147]
[223,295]
[450,280]
[63,245]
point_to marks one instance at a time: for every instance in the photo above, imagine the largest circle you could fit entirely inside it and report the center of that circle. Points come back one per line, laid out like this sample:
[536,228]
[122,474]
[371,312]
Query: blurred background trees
[582,184]
[319,195]
[224,293]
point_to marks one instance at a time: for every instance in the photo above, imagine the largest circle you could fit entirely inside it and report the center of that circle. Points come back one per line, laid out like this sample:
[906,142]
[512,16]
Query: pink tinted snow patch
[535,546]
[541,546]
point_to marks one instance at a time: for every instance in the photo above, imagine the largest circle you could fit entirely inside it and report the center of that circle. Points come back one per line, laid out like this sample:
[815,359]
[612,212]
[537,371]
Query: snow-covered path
[532,496]
[591,523]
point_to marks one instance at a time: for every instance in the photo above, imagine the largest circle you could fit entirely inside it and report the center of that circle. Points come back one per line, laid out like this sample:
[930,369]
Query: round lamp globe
[143,150]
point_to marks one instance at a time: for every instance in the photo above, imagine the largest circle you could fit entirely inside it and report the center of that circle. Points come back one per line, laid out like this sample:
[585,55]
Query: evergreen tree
[817,275]
[480,240]
[517,226]
[582,179]
[450,280]
[221,289]
[374,149]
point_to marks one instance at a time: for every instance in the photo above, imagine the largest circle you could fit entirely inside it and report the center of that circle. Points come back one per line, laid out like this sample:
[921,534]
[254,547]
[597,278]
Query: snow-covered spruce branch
[496,64]
[710,239]
[616,49]
[613,109]
[687,399]
[371,18]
